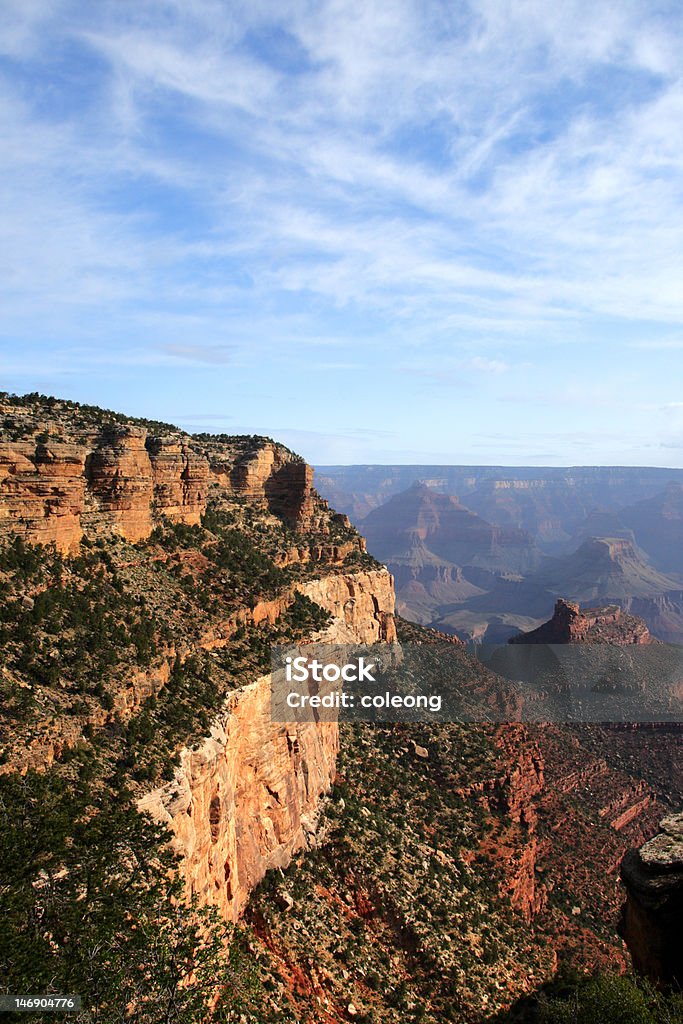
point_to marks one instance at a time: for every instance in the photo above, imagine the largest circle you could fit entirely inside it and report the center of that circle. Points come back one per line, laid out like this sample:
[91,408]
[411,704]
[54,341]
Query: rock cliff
[651,916]
[249,797]
[246,796]
[119,478]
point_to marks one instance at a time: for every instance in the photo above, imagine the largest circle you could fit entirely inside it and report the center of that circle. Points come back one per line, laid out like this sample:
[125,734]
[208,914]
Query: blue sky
[379,230]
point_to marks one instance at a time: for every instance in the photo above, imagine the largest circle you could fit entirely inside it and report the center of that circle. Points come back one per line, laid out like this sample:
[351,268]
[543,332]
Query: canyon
[385,868]
[492,564]
[550,503]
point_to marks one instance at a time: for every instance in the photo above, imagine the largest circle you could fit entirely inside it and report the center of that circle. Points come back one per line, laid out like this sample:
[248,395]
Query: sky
[381,231]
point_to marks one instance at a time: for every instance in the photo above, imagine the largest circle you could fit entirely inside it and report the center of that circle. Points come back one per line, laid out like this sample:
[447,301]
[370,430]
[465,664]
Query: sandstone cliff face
[119,479]
[120,485]
[42,492]
[362,605]
[651,916]
[181,479]
[249,798]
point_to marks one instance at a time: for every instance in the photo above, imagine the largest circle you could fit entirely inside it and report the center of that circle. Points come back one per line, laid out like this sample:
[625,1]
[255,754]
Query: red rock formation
[247,800]
[42,492]
[120,485]
[180,477]
[572,625]
[284,481]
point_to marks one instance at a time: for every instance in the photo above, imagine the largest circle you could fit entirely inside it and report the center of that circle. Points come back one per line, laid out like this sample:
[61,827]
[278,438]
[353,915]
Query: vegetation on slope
[89,895]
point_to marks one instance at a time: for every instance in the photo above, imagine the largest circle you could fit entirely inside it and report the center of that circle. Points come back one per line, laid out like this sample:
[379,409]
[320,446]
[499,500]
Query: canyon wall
[249,797]
[119,479]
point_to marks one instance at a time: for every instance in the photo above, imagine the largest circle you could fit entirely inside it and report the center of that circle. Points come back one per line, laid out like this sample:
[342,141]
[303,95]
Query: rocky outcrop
[285,483]
[120,479]
[180,477]
[651,916]
[571,624]
[362,605]
[249,797]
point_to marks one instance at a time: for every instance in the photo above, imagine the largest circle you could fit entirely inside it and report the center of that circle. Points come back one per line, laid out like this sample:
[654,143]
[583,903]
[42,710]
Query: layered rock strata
[120,479]
[248,796]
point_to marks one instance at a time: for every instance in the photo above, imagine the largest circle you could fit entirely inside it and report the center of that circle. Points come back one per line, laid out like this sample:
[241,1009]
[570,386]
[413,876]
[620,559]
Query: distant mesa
[605,568]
